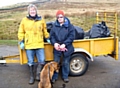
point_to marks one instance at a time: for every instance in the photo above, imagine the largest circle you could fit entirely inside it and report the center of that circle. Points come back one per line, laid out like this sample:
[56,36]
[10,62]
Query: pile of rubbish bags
[99,30]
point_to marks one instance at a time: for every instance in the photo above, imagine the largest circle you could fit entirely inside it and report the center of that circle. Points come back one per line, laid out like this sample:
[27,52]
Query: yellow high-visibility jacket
[33,32]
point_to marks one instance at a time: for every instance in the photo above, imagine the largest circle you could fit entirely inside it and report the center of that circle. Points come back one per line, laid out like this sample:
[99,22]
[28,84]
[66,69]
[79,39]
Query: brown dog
[47,73]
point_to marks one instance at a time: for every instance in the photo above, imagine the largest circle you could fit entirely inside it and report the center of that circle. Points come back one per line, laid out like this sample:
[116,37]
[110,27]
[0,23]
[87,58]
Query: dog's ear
[53,65]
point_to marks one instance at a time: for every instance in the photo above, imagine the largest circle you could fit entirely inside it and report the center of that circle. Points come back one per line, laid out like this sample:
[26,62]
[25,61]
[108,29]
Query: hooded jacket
[64,34]
[33,32]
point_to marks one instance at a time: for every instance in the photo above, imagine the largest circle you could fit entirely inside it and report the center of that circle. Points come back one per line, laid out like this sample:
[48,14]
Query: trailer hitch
[9,59]
[2,61]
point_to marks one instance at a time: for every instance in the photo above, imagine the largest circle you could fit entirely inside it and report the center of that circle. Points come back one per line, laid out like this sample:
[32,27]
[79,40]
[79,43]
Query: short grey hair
[30,6]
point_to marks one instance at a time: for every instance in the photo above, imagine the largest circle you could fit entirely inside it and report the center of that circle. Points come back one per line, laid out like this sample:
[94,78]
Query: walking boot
[31,81]
[39,68]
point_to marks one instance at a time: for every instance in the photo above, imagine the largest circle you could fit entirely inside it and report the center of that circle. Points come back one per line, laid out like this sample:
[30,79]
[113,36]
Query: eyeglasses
[60,17]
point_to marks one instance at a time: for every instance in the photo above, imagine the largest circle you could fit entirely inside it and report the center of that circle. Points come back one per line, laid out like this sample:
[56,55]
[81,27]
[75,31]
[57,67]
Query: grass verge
[9,42]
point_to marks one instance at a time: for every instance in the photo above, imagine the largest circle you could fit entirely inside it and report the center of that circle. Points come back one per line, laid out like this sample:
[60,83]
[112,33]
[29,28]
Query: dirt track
[104,72]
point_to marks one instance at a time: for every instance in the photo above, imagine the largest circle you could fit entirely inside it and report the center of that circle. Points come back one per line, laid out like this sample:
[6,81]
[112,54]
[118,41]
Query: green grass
[9,42]
[10,21]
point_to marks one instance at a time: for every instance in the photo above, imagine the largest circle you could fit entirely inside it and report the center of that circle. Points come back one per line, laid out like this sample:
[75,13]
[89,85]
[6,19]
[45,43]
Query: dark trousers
[65,66]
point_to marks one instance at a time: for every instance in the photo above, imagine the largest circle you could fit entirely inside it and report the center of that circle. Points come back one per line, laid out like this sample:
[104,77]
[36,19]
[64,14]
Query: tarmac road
[104,72]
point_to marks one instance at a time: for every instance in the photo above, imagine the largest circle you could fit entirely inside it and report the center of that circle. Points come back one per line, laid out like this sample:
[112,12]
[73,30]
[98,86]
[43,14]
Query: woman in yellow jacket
[32,31]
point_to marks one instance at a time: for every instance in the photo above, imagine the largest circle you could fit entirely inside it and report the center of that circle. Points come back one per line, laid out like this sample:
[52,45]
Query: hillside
[80,14]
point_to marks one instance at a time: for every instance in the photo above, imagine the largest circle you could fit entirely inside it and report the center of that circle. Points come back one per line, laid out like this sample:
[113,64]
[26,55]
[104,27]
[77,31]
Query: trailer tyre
[78,65]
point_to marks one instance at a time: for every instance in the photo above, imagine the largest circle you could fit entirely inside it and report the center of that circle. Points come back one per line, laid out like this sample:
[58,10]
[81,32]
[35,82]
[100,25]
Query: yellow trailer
[86,49]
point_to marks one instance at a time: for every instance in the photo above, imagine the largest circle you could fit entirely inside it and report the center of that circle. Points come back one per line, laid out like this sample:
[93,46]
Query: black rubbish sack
[79,33]
[99,30]
[49,26]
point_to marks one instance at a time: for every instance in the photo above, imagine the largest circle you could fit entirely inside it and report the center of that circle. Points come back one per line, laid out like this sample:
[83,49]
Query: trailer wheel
[78,65]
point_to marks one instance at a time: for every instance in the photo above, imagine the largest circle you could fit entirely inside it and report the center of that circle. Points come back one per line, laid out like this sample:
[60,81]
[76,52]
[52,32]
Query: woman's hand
[57,46]
[62,47]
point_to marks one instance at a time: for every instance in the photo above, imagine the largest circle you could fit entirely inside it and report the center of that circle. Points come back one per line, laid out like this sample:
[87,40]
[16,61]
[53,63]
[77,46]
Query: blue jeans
[39,54]
[65,66]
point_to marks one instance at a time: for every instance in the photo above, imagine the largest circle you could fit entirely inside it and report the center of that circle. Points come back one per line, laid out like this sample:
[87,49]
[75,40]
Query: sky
[10,2]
